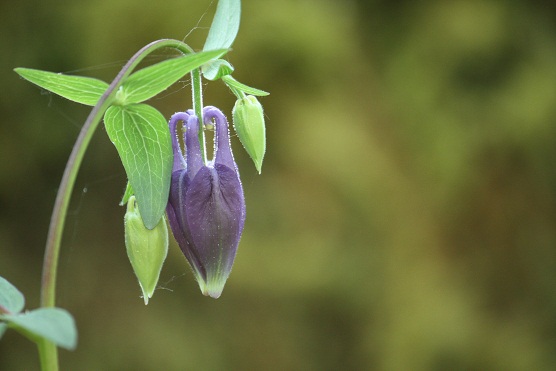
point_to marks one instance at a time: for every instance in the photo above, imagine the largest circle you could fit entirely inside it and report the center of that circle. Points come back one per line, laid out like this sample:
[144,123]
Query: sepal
[217,69]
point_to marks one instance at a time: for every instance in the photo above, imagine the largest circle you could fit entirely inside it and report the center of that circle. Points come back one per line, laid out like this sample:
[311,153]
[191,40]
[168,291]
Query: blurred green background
[404,220]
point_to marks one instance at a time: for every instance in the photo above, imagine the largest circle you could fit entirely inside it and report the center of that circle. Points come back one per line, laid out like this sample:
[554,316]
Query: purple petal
[179,162]
[177,219]
[193,149]
[223,151]
[215,212]
[206,207]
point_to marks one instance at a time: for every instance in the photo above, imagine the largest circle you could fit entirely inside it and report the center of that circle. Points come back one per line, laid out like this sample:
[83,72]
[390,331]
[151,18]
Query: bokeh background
[404,220]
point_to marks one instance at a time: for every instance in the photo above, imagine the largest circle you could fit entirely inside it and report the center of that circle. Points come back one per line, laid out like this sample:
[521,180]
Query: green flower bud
[146,248]
[250,128]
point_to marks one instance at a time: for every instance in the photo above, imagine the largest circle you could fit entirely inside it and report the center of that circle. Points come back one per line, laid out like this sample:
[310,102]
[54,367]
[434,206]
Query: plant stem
[197,96]
[47,350]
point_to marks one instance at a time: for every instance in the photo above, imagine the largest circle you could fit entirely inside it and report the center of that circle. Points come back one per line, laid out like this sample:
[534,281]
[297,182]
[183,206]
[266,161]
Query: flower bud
[146,248]
[206,207]
[250,128]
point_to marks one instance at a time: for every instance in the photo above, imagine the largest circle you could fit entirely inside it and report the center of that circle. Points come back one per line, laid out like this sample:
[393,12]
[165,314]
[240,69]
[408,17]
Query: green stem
[197,95]
[48,354]
[47,350]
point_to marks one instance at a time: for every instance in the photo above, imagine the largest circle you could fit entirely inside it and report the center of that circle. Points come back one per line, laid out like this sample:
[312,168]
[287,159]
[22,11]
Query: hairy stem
[47,350]
[197,95]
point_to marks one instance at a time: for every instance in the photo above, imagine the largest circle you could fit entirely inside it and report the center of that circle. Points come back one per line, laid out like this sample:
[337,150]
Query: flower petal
[179,161]
[223,152]
[192,147]
[215,213]
[177,219]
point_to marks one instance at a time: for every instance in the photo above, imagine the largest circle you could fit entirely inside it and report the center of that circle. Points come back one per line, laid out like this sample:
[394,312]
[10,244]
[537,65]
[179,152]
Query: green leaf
[141,136]
[11,299]
[216,69]
[84,90]
[149,81]
[53,324]
[233,83]
[225,25]
[127,194]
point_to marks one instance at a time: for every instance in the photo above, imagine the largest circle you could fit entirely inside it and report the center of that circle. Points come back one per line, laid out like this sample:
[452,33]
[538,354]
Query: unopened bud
[250,128]
[146,248]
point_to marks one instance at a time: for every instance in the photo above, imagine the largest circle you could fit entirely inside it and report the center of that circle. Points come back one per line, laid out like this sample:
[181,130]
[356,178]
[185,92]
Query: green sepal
[233,84]
[217,69]
[80,89]
[146,248]
[127,194]
[248,118]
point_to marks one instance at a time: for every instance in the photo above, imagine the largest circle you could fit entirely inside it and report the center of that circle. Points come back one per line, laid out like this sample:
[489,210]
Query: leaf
[141,136]
[225,25]
[80,89]
[53,324]
[216,69]
[233,83]
[149,81]
[11,299]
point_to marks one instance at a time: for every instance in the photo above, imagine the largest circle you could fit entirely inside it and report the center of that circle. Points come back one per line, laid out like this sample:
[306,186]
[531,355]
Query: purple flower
[206,208]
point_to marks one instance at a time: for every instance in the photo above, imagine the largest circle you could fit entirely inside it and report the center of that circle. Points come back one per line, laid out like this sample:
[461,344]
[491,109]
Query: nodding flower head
[206,208]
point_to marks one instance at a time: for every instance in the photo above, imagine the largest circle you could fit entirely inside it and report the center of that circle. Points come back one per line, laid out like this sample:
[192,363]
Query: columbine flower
[206,208]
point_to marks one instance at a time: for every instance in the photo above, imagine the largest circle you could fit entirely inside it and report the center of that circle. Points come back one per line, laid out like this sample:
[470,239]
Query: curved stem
[47,350]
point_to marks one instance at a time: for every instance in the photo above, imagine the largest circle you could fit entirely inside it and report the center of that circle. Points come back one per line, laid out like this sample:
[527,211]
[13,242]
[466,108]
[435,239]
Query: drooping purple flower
[206,208]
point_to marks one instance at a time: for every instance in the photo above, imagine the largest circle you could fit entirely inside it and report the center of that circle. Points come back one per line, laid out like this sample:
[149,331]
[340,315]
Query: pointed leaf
[141,136]
[149,81]
[11,299]
[80,89]
[54,324]
[233,83]
[225,25]
[216,69]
